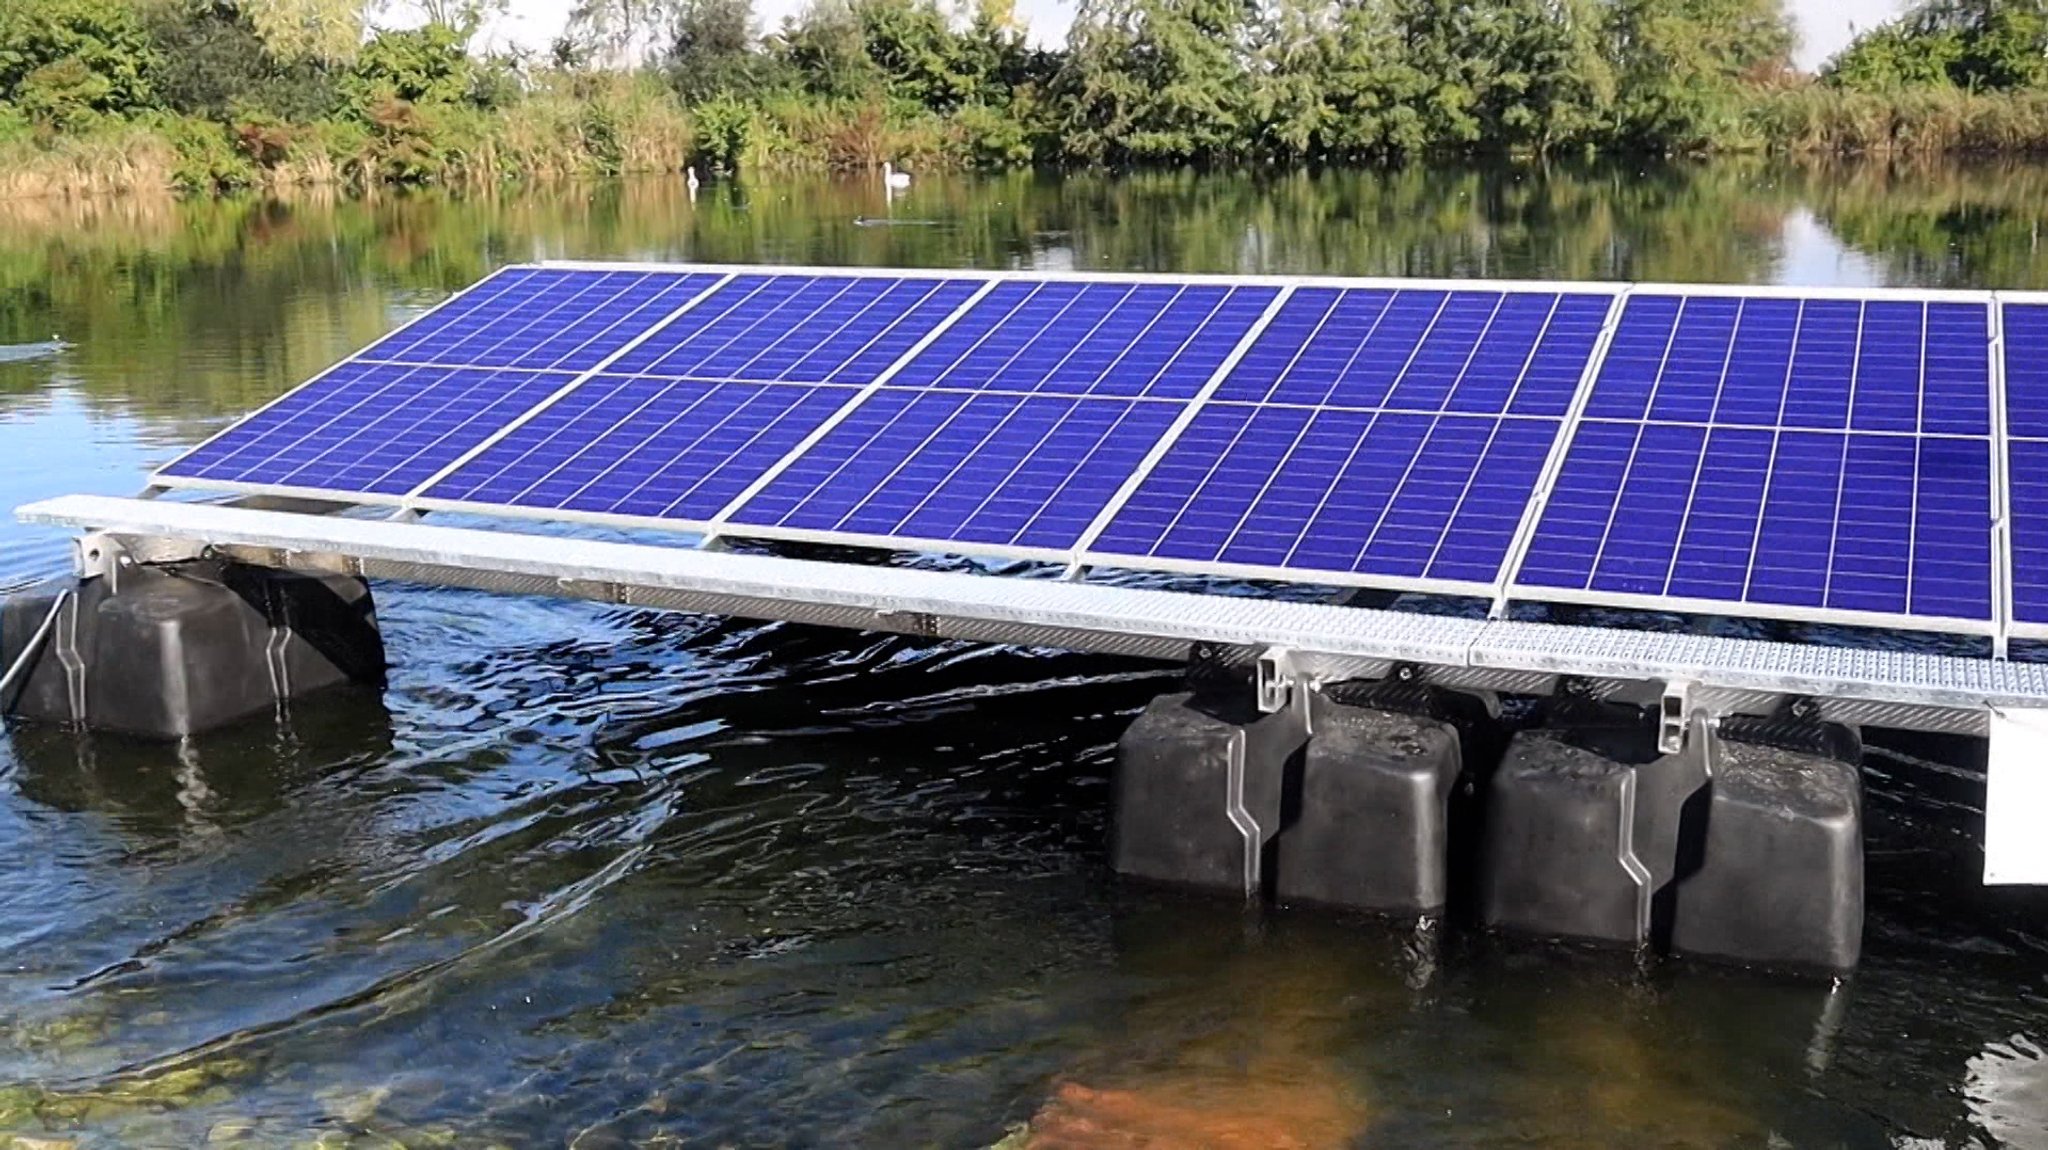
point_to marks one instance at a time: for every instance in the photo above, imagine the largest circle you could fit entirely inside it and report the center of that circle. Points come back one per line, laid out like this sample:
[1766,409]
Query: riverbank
[629,126]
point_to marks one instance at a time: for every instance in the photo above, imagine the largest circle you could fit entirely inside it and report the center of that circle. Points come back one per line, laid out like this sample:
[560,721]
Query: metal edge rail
[1316,642]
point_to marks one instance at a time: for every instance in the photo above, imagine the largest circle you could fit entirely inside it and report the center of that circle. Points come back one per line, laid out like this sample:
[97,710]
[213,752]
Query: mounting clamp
[1674,716]
[1276,679]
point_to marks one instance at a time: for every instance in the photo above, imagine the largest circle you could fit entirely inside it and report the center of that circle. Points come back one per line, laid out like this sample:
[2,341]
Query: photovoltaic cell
[1822,364]
[2026,414]
[631,445]
[552,319]
[1390,434]
[387,420]
[1465,352]
[363,427]
[1017,426]
[1117,340]
[1789,453]
[1009,470]
[682,423]
[799,329]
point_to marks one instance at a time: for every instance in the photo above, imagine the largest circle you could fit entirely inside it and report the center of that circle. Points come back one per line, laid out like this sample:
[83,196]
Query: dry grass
[123,160]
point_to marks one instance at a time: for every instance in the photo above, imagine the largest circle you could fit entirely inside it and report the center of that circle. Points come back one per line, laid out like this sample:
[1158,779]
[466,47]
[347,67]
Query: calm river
[595,877]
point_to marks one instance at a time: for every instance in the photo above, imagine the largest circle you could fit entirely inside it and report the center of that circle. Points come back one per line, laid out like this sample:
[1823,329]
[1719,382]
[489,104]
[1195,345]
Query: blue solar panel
[685,421]
[1017,426]
[1824,364]
[1009,470]
[1391,494]
[2028,477]
[1473,352]
[1118,340]
[556,319]
[631,445]
[379,428]
[387,420]
[2026,414]
[1394,434]
[800,329]
[1782,453]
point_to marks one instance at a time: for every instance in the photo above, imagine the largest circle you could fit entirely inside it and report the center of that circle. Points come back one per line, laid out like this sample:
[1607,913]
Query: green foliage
[1156,80]
[65,95]
[15,127]
[209,62]
[495,83]
[994,138]
[294,31]
[206,158]
[723,126]
[218,93]
[713,53]
[426,65]
[1977,45]
[63,60]
[1894,56]
[1684,67]
[826,48]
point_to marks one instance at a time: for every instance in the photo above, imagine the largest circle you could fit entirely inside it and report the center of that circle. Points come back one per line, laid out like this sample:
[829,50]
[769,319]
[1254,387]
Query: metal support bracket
[1259,754]
[95,555]
[1674,716]
[1276,680]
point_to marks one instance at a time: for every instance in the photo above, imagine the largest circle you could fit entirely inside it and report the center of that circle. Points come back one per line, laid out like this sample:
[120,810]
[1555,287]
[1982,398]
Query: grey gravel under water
[598,877]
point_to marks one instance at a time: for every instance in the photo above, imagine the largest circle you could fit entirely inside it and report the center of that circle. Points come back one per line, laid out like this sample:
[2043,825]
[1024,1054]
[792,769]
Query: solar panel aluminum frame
[1077,558]
[2001,487]
[1546,481]
[1388,283]
[158,481]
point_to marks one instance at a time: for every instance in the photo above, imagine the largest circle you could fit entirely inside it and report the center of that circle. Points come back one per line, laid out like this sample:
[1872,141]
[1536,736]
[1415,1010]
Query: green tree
[1157,80]
[825,46]
[713,52]
[1896,55]
[418,65]
[326,31]
[66,59]
[1980,45]
[1681,67]
[208,61]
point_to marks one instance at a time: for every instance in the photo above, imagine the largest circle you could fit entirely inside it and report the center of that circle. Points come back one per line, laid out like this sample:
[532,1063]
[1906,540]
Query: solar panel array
[684,420]
[1811,455]
[1018,426]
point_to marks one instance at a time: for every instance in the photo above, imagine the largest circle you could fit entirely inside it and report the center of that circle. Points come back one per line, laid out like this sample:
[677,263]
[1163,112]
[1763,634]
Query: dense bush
[62,59]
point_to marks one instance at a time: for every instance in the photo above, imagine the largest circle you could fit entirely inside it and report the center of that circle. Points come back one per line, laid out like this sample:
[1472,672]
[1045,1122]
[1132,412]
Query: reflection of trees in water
[211,306]
[1951,225]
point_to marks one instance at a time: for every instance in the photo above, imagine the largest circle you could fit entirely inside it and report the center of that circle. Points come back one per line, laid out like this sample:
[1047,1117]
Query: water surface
[600,877]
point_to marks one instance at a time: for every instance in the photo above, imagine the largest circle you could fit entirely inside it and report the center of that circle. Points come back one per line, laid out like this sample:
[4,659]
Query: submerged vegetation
[201,94]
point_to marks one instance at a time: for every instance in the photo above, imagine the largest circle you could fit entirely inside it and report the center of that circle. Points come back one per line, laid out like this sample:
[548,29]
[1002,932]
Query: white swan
[891,178]
[690,177]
